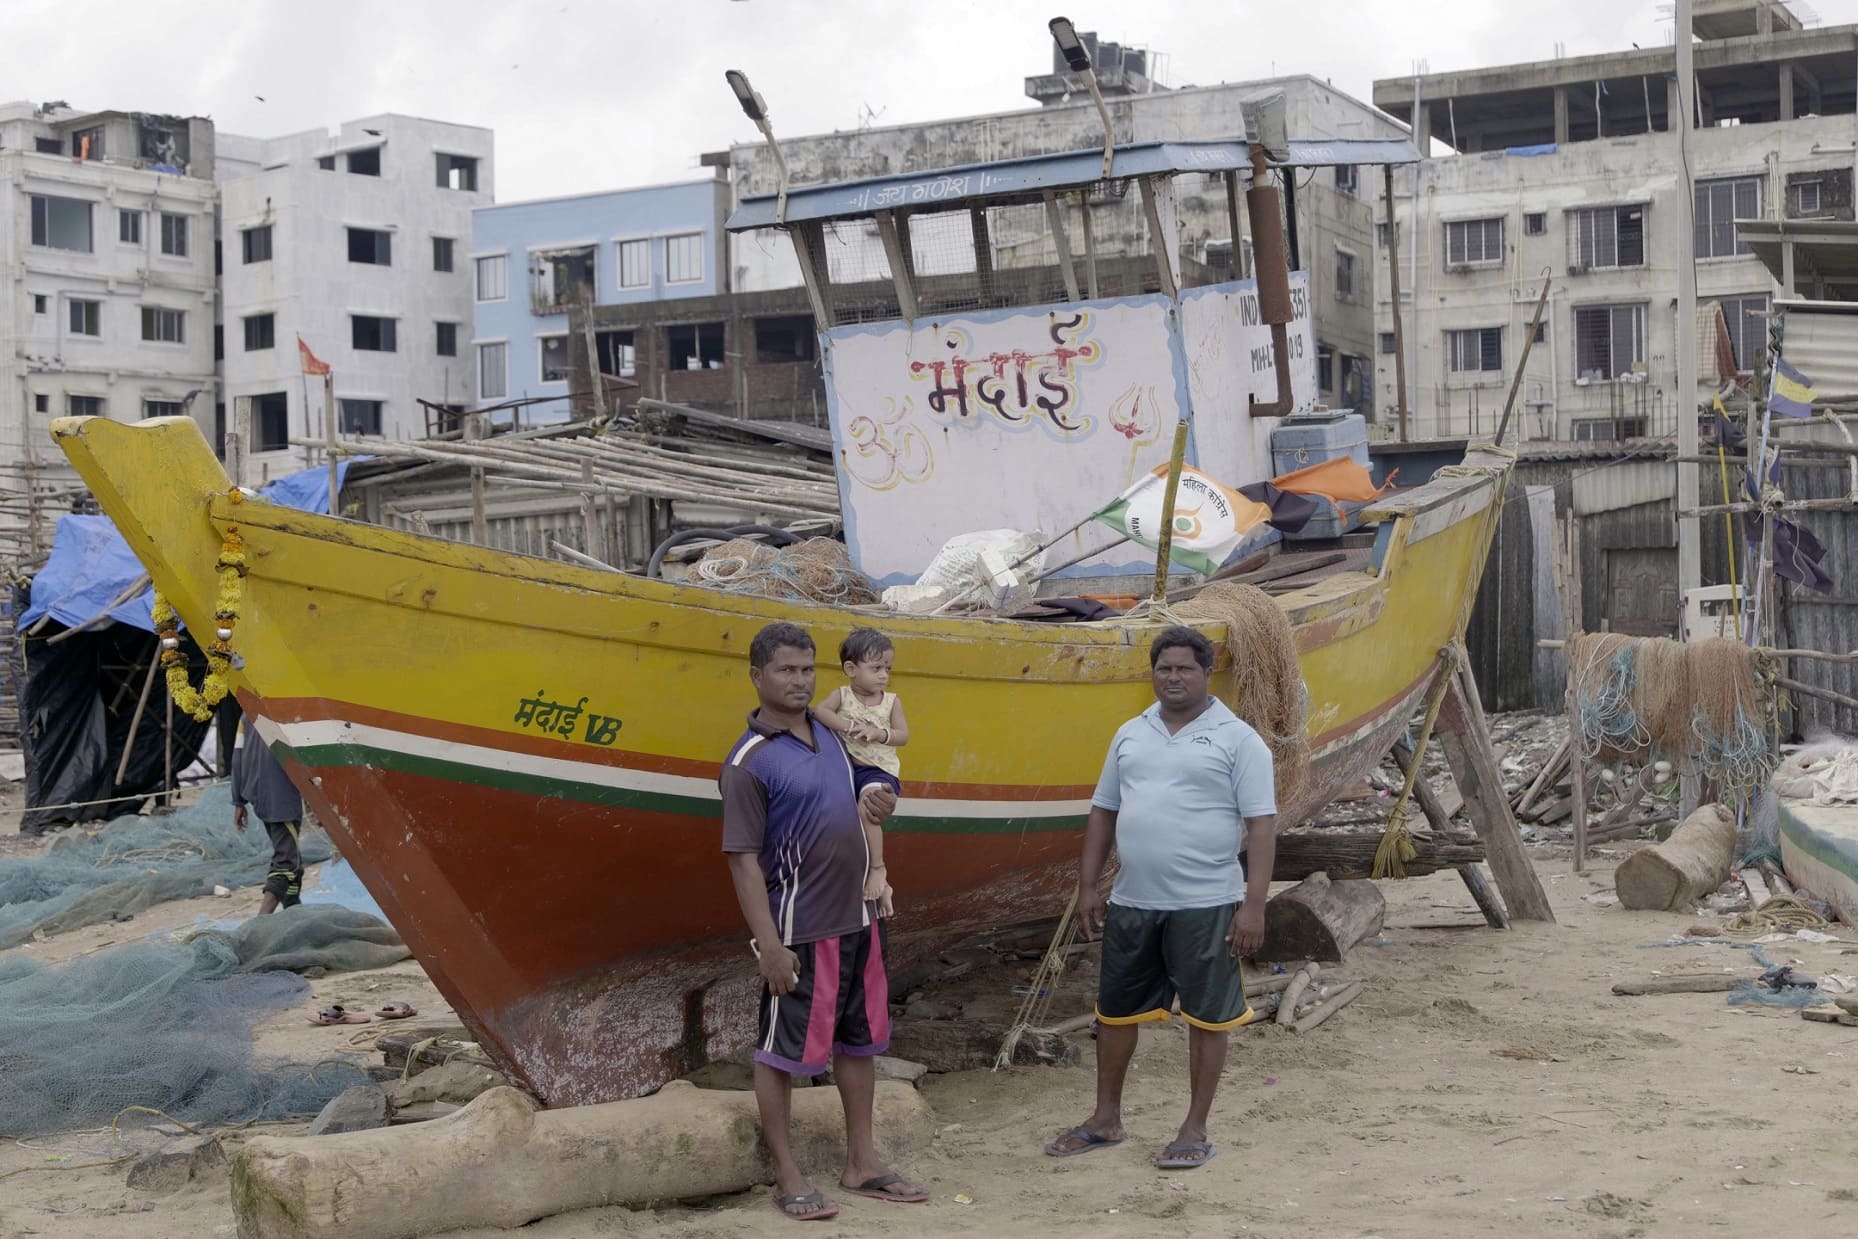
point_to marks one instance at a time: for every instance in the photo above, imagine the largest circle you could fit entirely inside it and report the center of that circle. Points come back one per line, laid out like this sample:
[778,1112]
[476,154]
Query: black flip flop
[874,1188]
[819,1209]
[1172,1160]
[1091,1141]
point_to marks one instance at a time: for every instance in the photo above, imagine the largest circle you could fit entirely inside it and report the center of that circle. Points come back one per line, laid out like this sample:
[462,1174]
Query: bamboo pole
[1824,694]
[1164,548]
[135,587]
[135,721]
[1789,505]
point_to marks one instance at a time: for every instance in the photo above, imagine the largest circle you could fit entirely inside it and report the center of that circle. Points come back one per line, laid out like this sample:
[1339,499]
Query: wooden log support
[1466,740]
[500,1163]
[1345,854]
[1321,920]
[1671,876]
[1440,816]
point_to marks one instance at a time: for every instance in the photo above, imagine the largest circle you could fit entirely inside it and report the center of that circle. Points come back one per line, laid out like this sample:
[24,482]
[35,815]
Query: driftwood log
[1319,919]
[1350,854]
[1695,983]
[500,1162]
[1673,875]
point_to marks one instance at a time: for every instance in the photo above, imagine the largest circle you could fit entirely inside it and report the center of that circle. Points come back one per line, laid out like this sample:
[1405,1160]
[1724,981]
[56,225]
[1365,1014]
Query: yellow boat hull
[519,756]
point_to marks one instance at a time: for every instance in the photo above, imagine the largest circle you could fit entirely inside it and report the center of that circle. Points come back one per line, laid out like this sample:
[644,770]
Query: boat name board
[541,714]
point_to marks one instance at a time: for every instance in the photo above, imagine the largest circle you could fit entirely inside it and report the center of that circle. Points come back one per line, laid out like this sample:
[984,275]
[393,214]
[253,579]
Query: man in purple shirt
[797,855]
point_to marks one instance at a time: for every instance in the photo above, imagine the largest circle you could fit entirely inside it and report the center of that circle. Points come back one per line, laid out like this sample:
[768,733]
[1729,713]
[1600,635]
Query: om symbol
[882,456]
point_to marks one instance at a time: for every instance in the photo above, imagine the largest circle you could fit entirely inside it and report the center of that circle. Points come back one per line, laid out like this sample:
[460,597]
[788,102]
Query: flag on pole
[1793,391]
[312,364]
[1209,519]
[1729,436]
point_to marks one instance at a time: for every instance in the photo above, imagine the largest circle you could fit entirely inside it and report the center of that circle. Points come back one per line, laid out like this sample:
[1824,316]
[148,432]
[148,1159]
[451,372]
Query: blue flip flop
[1171,1159]
[1091,1140]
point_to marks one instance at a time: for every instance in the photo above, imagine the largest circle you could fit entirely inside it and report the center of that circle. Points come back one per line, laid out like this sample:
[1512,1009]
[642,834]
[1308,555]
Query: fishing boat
[520,756]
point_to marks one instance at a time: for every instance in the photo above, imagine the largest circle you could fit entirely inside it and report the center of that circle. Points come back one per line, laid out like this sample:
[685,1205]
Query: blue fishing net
[133,863]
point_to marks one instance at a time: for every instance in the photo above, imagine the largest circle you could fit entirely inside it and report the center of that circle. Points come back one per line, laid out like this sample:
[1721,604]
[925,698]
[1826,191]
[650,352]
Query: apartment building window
[448,339]
[562,278]
[1608,340]
[173,235]
[219,341]
[683,258]
[1607,429]
[442,253]
[164,326]
[1380,235]
[84,406]
[1325,368]
[88,143]
[260,332]
[1387,344]
[86,318]
[1806,198]
[1344,275]
[365,163]
[1347,179]
[1535,223]
[635,264]
[61,223]
[372,246]
[1541,331]
[1601,237]
[360,417]
[1473,242]
[271,421]
[1719,204]
[493,363]
[48,146]
[326,163]
[41,403]
[457,172]
[1746,318]
[129,227]
[161,408]
[41,303]
[493,277]
[554,358]
[255,244]
[1476,351]
[371,334]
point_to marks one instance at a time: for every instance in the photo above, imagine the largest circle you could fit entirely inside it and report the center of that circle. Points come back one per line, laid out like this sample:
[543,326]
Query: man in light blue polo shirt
[1184,780]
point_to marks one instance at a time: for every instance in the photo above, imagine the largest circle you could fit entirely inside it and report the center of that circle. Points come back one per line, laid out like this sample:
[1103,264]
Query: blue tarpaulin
[1543,148]
[90,564]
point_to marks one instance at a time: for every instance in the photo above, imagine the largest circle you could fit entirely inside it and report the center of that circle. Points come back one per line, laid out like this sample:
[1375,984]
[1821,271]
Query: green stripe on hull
[323,756]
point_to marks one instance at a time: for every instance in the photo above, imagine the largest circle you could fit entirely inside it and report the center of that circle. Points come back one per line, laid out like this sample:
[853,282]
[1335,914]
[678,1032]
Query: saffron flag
[1209,519]
[1793,391]
[1339,480]
[312,364]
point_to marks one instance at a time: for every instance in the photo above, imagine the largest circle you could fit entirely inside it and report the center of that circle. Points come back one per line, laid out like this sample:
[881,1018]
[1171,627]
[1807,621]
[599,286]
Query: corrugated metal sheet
[1826,622]
[1823,345]
[1625,485]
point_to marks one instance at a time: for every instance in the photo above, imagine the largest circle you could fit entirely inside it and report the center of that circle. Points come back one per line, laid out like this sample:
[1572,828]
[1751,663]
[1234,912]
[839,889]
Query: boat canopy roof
[1014,180]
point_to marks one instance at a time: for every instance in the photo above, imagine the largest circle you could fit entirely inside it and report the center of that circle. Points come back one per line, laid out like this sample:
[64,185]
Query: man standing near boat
[1186,785]
[797,856]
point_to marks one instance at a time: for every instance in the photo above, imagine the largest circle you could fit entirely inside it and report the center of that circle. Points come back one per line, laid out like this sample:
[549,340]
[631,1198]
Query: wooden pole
[167,754]
[480,524]
[329,428]
[1577,756]
[590,520]
[1473,878]
[135,721]
[1393,269]
[1516,380]
[1165,546]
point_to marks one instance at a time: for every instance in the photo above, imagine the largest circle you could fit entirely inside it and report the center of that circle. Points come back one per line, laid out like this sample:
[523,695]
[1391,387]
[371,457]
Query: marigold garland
[199,702]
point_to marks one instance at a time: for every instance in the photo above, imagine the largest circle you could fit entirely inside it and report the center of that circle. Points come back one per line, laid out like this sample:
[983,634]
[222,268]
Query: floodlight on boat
[1077,59]
[1076,55]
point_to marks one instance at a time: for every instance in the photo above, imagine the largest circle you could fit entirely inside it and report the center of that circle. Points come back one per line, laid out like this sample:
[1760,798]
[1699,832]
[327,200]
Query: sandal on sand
[338,1014]
[1177,1155]
[875,1189]
[396,1011]
[1090,1138]
[818,1209]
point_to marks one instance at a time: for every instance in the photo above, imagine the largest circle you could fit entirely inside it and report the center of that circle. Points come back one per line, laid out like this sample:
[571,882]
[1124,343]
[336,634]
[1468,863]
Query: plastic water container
[1311,438]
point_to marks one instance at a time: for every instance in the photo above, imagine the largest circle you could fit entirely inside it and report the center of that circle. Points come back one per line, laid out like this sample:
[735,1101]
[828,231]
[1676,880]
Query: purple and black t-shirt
[794,805]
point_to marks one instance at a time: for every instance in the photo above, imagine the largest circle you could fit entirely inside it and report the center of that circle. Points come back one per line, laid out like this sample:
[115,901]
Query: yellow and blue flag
[1793,391]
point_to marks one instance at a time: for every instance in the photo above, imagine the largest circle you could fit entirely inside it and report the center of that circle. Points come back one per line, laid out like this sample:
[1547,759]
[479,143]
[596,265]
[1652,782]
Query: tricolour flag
[1209,519]
[1793,391]
[312,364]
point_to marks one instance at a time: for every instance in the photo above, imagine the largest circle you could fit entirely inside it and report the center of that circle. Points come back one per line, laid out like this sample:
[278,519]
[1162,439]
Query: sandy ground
[1487,1082]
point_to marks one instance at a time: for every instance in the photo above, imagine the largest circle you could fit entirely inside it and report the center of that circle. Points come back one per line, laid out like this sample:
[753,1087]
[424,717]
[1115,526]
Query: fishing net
[162,1024]
[1706,707]
[1272,697]
[816,570]
[133,863]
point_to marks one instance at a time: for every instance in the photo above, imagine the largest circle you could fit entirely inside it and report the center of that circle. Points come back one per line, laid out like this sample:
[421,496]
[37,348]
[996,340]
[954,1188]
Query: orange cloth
[1336,480]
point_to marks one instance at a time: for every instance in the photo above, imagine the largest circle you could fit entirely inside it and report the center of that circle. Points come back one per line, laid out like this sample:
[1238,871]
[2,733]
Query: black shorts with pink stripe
[840,1006]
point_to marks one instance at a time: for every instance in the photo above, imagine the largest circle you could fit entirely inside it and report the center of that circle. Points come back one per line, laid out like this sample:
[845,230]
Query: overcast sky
[598,94]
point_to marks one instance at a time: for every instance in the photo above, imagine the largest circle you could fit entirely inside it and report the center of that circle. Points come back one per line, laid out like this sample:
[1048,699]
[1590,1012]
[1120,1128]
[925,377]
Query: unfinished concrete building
[1570,166]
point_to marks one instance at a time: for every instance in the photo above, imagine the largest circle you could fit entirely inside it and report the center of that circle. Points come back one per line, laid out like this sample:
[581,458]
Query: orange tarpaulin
[1339,480]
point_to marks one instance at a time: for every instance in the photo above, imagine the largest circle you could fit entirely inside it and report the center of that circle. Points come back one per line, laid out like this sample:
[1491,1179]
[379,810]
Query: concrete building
[1335,214]
[358,242]
[1569,166]
[106,236]
[531,261]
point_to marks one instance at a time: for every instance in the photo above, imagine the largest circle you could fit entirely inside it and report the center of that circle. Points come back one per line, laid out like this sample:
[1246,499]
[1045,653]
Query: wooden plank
[1756,885]
[1466,740]
[1701,983]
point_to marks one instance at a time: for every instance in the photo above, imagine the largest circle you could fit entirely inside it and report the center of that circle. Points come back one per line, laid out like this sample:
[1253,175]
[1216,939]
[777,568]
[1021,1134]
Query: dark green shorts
[1150,958]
